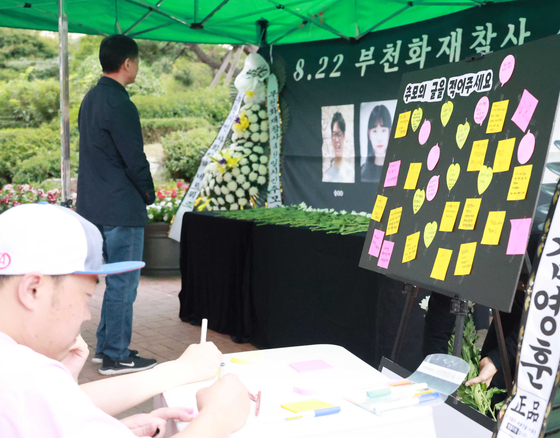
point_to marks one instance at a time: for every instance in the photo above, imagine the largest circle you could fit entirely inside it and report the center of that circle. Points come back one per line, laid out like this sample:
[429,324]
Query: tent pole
[64,103]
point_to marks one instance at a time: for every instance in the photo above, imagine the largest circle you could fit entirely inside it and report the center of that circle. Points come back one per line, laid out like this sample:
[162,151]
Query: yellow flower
[243,123]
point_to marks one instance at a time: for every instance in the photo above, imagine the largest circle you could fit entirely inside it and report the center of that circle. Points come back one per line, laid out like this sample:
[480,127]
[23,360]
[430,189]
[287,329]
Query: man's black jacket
[114,180]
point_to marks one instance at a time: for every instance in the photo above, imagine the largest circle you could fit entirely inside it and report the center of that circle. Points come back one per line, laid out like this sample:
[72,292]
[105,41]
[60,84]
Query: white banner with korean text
[196,185]
[274,197]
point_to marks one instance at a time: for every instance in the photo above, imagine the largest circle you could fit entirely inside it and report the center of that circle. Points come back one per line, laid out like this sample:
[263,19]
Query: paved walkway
[157,330]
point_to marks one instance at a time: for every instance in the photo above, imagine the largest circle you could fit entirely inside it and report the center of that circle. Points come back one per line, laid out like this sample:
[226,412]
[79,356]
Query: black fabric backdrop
[495,26]
[277,286]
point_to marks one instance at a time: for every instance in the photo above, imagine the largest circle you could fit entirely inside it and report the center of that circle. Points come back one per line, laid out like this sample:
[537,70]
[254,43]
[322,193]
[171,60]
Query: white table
[276,380]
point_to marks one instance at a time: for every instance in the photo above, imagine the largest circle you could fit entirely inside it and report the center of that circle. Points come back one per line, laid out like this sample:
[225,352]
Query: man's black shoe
[124,366]
[98,358]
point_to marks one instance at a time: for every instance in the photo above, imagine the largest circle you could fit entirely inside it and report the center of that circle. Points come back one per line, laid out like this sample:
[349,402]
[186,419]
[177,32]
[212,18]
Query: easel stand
[411,291]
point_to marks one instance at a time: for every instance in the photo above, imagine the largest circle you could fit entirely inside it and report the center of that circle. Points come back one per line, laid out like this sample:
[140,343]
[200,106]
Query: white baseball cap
[53,240]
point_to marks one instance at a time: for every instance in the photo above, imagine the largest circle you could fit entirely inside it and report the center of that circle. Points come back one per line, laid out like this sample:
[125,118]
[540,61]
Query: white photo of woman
[376,135]
[338,144]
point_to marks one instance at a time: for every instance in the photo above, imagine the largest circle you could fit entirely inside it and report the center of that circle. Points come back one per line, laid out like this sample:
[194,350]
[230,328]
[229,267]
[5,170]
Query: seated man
[50,259]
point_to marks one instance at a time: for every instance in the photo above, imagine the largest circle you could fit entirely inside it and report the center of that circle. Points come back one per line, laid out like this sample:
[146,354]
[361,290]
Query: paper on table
[307,405]
[478,154]
[518,236]
[392,175]
[412,176]
[402,124]
[441,264]
[497,117]
[449,216]
[411,247]
[376,243]
[504,153]
[310,365]
[525,110]
[386,253]
[379,208]
[465,259]
[519,183]
[394,221]
[470,214]
[493,228]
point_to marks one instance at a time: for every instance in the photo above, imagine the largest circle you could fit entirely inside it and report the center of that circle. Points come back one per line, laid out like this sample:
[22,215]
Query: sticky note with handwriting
[411,247]
[470,214]
[394,221]
[519,183]
[412,176]
[493,228]
[392,175]
[402,124]
[497,117]
[465,259]
[525,110]
[379,208]
[518,236]
[504,153]
[478,154]
[376,243]
[386,253]
[449,216]
[441,264]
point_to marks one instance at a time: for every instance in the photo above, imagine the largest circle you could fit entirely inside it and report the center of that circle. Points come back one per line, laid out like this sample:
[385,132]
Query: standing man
[114,187]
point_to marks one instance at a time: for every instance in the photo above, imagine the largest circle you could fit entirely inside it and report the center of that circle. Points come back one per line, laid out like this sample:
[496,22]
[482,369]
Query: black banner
[341,95]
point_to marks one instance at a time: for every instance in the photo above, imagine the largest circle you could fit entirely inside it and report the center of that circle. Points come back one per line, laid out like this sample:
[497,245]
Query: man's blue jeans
[120,244]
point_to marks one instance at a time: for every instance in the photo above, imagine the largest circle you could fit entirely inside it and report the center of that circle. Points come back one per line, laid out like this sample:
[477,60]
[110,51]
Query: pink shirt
[39,398]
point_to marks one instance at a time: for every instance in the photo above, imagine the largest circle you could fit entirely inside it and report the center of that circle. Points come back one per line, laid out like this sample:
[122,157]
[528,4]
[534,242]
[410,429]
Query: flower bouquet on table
[168,199]
[11,195]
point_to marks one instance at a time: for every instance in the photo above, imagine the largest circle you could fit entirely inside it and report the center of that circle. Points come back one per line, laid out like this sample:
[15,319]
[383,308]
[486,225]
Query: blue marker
[316,413]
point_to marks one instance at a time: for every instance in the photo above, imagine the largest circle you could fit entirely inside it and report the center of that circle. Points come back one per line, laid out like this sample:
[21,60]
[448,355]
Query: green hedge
[32,155]
[184,150]
[154,129]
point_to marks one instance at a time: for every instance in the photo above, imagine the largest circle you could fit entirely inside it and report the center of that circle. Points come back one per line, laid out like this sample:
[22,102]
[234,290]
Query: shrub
[182,151]
[154,129]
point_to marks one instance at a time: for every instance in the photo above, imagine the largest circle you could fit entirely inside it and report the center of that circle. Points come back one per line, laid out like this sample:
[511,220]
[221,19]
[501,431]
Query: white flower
[241,179]
[234,136]
[219,179]
[263,170]
[225,190]
[255,107]
[255,136]
[227,177]
[232,186]
[253,191]
[261,180]
[223,208]
[240,193]
[248,113]
[165,218]
[258,150]
[246,151]
[262,114]
[264,159]
[263,137]
[255,167]
[253,176]
[217,190]
[254,118]
[244,161]
[254,128]
[253,158]
[237,155]
[221,201]
[245,170]
[242,202]
[235,171]
[246,185]
[150,216]
[209,208]
[212,182]
[424,303]
[234,207]
[214,201]
[246,134]
[230,199]
[249,144]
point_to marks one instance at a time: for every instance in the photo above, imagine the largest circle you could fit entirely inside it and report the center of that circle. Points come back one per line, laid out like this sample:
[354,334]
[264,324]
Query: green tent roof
[229,21]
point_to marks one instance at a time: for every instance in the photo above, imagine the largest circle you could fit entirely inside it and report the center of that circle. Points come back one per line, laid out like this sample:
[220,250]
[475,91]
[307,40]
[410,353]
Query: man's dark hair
[337,118]
[115,50]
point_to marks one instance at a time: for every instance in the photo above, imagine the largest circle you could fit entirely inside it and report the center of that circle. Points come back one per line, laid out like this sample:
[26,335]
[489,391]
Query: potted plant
[161,254]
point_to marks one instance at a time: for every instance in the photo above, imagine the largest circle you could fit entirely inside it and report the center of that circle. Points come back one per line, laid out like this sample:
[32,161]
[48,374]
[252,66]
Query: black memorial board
[493,275]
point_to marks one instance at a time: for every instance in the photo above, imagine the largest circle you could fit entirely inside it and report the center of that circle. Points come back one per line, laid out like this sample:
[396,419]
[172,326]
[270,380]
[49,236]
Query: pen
[316,413]
[389,406]
[203,330]
[221,370]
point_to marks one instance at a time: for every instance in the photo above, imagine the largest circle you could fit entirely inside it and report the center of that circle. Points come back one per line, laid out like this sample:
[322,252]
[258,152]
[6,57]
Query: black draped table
[276,286]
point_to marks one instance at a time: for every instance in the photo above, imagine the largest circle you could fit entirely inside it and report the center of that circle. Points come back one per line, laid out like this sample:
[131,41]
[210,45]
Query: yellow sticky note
[307,405]
[250,358]
[412,176]
[519,183]
[502,160]
[402,125]
[493,228]
[411,247]
[470,214]
[394,221]
[441,264]
[478,154]
[497,117]
[379,208]
[449,216]
[465,259]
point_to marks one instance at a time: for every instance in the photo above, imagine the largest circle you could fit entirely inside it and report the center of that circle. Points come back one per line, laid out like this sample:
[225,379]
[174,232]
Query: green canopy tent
[257,22]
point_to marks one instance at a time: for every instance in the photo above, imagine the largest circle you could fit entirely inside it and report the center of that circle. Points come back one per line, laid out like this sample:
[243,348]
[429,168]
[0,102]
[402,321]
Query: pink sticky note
[305,391]
[310,365]
[526,148]
[518,236]
[376,243]
[481,110]
[506,69]
[525,110]
[433,157]
[425,131]
[433,187]
[386,253]
[392,174]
